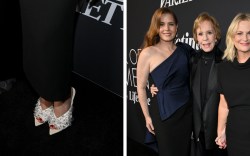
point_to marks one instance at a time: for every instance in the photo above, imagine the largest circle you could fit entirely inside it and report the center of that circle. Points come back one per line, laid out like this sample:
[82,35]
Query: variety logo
[104,11]
[169,3]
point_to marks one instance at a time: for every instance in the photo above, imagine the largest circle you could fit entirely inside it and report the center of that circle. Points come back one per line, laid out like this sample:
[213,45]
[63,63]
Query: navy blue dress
[171,110]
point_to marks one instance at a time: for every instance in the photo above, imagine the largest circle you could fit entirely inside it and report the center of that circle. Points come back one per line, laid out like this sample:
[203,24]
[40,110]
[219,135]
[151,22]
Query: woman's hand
[153,90]
[149,125]
[221,141]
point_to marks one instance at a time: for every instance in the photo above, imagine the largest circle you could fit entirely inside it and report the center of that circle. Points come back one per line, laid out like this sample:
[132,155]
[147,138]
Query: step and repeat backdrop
[139,13]
[98,54]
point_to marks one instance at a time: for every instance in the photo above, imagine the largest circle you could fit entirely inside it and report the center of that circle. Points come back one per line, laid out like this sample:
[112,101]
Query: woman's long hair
[152,35]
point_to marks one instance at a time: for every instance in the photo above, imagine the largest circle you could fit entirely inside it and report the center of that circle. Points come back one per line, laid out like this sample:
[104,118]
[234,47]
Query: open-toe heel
[41,116]
[58,124]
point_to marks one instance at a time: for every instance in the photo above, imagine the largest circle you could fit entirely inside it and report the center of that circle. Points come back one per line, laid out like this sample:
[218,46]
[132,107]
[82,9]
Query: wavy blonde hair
[231,52]
[152,35]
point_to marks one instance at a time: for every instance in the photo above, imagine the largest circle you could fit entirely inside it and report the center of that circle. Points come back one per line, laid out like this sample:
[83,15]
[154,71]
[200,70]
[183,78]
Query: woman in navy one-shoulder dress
[167,66]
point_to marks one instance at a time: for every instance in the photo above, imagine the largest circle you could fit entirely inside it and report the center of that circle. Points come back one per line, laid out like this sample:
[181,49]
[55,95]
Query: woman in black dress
[234,74]
[206,32]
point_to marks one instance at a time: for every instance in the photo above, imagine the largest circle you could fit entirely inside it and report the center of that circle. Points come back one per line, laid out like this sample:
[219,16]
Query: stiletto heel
[41,116]
[58,124]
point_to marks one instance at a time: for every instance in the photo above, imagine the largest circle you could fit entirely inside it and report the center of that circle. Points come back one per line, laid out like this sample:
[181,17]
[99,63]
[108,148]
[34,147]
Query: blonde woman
[233,129]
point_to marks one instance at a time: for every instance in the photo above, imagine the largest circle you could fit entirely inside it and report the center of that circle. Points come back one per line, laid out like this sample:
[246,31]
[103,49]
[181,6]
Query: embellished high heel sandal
[58,124]
[41,116]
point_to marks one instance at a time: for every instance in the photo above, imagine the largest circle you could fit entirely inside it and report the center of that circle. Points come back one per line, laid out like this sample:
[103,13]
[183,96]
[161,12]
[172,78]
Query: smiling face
[168,28]
[242,37]
[206,36]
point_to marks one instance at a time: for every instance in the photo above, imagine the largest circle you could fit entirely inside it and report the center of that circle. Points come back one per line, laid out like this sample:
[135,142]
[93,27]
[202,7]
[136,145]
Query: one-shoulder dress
[171,110]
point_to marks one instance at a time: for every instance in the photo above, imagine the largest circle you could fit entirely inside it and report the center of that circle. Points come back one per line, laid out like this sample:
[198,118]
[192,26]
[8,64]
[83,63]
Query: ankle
[62,119]
[45,103]
[61,107]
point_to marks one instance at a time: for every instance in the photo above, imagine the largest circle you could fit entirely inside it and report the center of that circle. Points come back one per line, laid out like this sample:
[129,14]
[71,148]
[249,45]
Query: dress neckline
[165,60]
[241,65]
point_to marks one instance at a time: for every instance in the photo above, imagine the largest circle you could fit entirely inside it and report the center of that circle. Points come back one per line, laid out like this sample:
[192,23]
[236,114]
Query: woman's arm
[143,70]
[222,121]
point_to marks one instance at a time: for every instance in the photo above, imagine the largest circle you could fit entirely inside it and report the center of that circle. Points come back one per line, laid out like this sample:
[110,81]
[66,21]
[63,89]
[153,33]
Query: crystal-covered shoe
[58,124]
[41,116]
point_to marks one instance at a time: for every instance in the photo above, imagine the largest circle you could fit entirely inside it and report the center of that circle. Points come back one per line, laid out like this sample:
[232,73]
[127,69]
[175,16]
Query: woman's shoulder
[184,45]
[186,48]
[218,55]
[224,64]
[148,50]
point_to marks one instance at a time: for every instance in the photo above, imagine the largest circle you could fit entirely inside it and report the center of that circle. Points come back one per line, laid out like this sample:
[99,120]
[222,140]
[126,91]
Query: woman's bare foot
[44,103]
[61,107]
[62,114]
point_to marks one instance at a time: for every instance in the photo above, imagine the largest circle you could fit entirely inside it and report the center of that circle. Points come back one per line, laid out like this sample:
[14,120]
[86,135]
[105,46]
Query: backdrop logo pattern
[189,40]
[104,12]
[132,78]
[169,3]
